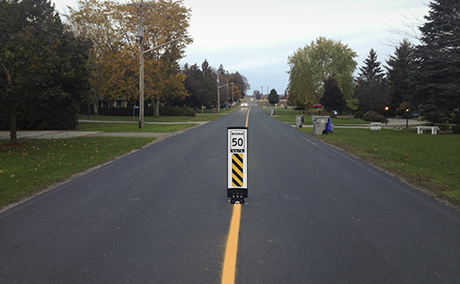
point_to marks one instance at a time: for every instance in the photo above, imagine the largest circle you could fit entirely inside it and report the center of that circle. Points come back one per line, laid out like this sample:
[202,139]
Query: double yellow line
[229,270]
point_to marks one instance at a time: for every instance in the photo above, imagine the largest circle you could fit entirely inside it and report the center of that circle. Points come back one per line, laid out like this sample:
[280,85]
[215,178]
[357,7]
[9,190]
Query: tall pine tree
[209,85]
[332,97]
[437,74]
[273,97]
[399,67]
[371,88]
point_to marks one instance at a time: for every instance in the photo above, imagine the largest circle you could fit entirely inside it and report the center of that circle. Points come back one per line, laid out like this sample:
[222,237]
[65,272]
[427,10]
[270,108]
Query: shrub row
[456,129]
[148,111]
[176,111]
[53,113]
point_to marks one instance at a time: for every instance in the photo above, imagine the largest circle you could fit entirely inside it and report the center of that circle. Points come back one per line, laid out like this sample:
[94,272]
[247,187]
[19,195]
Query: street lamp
[386,110]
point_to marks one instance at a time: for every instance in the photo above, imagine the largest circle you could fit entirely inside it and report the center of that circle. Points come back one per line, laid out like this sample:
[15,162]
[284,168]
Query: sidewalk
[72,134]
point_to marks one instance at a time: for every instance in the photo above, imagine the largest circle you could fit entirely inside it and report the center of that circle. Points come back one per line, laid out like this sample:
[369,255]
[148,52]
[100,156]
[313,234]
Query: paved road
[160,215]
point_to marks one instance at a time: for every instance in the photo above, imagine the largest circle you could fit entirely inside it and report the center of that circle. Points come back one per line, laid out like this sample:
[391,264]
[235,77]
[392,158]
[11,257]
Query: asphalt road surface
[160,215]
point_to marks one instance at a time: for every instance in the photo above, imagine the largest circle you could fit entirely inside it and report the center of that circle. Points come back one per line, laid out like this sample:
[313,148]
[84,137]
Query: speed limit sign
[237,178]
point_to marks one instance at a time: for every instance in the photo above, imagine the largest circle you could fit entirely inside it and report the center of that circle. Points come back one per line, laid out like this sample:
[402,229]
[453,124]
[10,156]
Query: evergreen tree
[371,88]
[333,96]
[193,85]
[398,75]
[273,97]
[209,85]
[201,86]
[437,74]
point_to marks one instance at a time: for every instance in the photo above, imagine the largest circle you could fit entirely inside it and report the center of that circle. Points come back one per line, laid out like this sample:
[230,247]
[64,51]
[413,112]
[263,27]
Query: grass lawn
[132,127]
[199,117]
[36,164]
[429,161]
[289,117]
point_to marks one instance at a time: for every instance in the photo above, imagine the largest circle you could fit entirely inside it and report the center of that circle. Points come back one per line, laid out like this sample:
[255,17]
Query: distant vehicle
[245,104]
[317,106]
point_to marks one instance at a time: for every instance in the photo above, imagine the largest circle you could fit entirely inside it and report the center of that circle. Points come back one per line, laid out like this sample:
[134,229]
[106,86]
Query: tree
[43,70]
[436,75]
[241,82]
[333,96]
[193,84]
[104,24]
[209,85]
[371,88]
[168,82]
[257,94]
[114,30]
[311,65]
[399,70]
[273,97]
[353,104]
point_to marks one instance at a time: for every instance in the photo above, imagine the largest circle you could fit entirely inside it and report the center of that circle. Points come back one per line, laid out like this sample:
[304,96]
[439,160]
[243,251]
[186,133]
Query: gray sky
[256,37]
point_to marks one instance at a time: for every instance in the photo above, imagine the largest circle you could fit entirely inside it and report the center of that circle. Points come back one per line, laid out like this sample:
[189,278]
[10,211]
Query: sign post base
[237,195]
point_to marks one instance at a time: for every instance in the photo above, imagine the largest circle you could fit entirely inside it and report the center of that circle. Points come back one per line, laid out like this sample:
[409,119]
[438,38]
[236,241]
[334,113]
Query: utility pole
[140,35]
[232,93]
[218,92]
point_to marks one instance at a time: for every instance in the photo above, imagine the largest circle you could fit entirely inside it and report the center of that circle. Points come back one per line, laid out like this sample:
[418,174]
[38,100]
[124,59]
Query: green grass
[289,117]
[131,127]
[35,165]
[429,161]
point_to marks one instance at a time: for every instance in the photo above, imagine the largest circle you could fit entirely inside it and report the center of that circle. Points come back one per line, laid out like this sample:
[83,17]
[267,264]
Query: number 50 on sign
[237,158]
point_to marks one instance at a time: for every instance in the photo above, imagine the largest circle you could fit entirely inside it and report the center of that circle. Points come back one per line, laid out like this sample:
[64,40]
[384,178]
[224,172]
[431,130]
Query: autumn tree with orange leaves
[113,27]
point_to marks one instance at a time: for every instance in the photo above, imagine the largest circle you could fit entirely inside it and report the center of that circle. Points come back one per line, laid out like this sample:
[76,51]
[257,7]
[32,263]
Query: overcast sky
[256,37]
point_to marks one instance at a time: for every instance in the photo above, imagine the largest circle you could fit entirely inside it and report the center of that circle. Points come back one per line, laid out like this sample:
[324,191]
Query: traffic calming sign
[237,178]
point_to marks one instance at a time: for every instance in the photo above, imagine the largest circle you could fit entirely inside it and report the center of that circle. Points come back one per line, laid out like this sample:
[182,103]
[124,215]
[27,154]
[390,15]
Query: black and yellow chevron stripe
[237,170]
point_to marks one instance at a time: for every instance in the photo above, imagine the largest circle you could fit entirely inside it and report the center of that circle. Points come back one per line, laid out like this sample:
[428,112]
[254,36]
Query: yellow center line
[228,272]
[229,269]
[247,117]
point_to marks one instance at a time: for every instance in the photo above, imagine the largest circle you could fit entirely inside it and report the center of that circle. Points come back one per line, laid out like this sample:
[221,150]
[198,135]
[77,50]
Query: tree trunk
[89,110]
[157,107]
[13,130]
[153,105]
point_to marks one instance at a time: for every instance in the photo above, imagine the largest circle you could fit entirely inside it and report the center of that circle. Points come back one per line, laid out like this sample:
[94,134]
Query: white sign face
[237,141]
[237,158]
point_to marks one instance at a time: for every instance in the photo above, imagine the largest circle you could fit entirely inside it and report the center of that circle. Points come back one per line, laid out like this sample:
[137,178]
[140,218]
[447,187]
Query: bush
[444,127]
[373,116]
[148,111]
[176,111]
[456,129]
[359,113]
[53,113]
[123,111]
